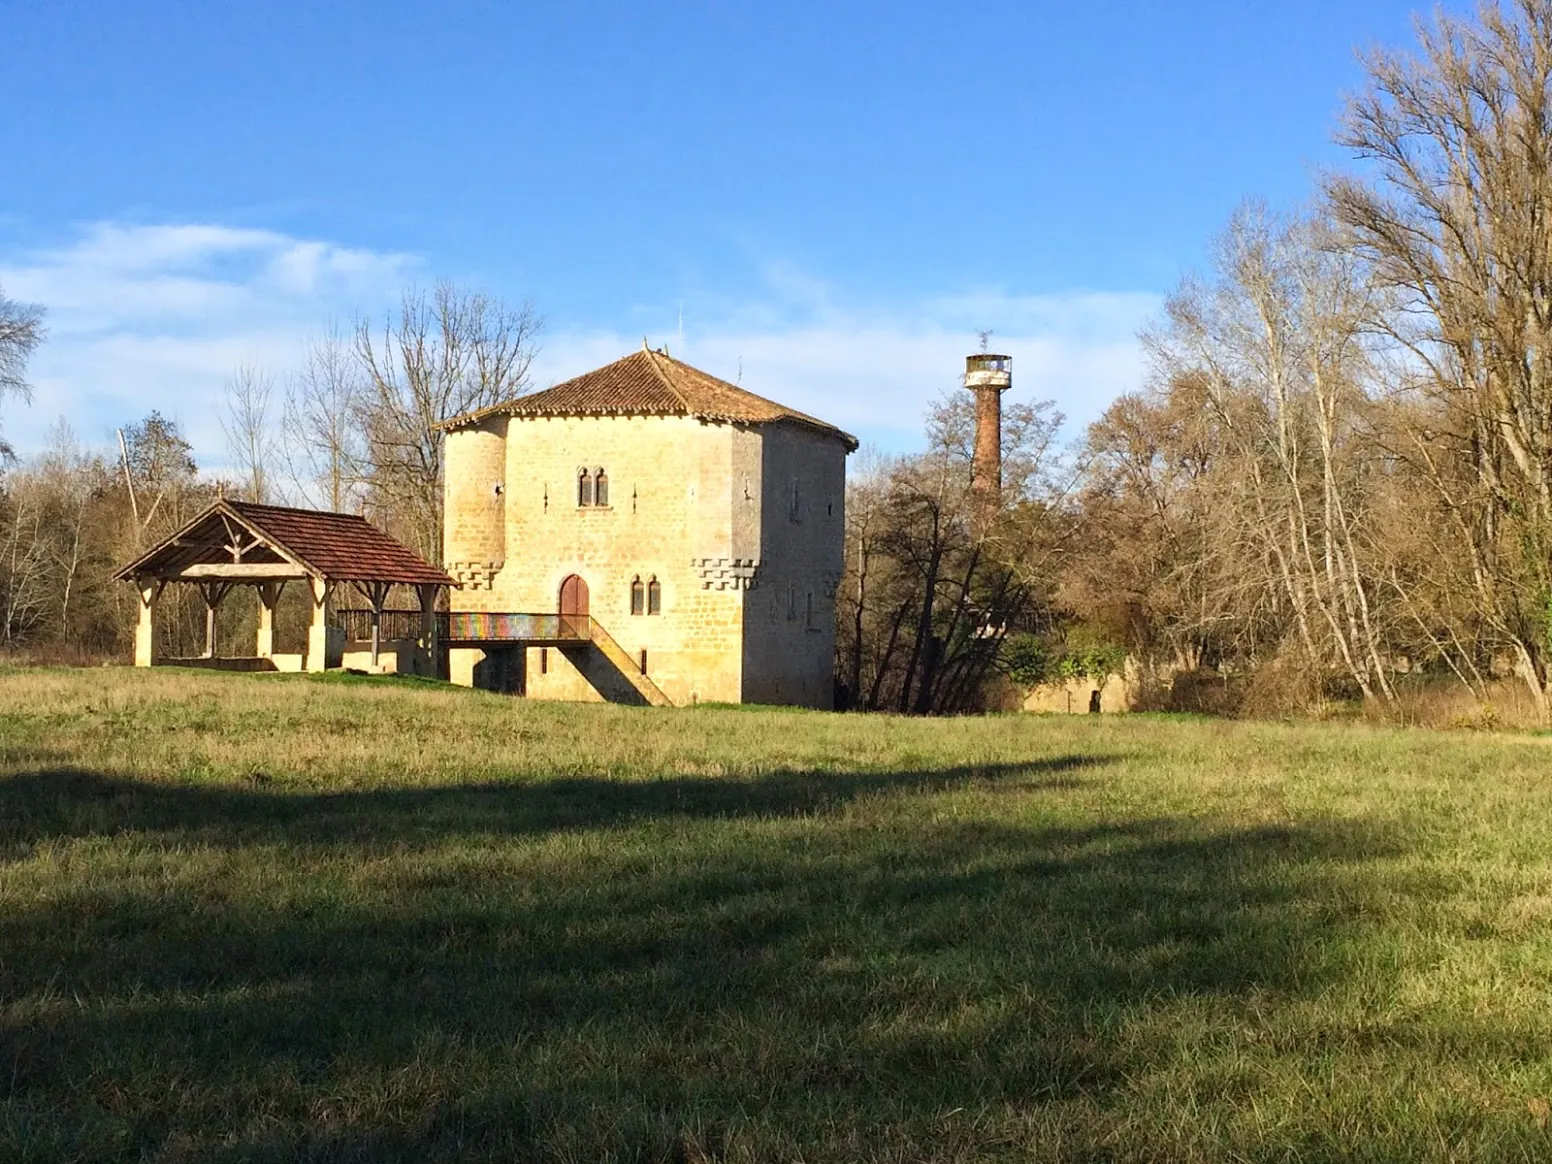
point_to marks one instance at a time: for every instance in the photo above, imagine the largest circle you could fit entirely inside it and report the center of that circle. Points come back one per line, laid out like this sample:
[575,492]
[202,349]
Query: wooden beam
[238,571]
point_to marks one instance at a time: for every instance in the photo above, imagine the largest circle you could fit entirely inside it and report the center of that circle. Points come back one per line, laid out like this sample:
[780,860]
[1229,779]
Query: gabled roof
[652,383]
[338,547]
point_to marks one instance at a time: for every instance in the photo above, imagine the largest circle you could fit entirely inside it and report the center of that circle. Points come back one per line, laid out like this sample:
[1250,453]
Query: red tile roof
[340,547]
[650,383]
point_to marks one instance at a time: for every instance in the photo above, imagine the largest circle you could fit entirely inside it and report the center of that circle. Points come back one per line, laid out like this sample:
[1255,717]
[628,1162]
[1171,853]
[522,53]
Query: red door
[573,603]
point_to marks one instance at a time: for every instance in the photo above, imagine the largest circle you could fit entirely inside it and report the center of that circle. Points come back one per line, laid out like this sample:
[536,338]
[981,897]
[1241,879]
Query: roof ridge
[652,359]
[243,504]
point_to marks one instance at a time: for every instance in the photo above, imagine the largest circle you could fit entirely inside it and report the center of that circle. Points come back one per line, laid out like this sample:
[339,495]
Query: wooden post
[318,629]
[145,626]
[269,596]
[376,594]
[213,593]
[428,627]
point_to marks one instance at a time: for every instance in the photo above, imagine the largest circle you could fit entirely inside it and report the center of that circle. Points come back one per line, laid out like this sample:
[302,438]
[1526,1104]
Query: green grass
[267,918]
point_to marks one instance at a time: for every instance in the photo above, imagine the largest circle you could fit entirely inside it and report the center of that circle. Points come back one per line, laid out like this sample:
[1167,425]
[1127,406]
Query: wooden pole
[318,631]
[428,627]
[269,597]
[213,593]
[145,627]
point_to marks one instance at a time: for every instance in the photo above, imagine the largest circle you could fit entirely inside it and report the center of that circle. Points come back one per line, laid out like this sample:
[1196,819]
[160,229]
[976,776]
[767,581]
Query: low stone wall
[1118,693]
[242,663]
[394,657]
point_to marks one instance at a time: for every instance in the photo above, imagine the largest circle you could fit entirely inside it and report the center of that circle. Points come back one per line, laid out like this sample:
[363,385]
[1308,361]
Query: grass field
[270,918]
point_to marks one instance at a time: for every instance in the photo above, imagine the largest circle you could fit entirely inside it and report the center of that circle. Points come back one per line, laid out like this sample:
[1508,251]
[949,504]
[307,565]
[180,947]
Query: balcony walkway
[478,629]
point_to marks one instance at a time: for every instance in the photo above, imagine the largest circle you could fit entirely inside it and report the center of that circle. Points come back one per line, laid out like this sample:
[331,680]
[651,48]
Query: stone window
[792,601]
[600,486]
[638,595]
[584,488]
[795,511]
[654,596]
[808,611]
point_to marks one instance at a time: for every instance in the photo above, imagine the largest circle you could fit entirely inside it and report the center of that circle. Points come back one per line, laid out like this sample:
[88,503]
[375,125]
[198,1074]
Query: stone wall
[1117,693]
[669,498]
[702,507]
[789,618]
[474,503]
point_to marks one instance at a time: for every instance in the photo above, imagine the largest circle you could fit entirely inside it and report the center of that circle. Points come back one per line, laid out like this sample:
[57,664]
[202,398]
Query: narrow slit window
[584,488]
[544,660]
[636,595]
[600,486]
[808,610]
[797,501]
[792,601]
[654,596]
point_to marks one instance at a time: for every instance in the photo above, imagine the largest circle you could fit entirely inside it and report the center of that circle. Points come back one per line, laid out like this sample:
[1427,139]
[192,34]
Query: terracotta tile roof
[652,383]
[341,547]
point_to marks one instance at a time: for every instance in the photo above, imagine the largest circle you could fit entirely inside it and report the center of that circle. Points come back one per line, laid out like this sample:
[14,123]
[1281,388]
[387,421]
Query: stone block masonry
[722,517]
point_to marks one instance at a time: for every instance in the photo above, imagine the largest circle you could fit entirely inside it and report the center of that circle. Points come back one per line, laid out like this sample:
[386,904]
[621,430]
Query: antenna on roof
[644,346]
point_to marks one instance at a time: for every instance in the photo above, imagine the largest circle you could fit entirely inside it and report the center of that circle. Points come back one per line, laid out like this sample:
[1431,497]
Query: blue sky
[834,196]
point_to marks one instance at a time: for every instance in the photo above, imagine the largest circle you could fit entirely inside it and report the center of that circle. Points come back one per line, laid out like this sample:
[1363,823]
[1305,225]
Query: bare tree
[450,353]
[1460,136]
[21,331]
[324,452]
[927,601]
[247,420]
[1274,342]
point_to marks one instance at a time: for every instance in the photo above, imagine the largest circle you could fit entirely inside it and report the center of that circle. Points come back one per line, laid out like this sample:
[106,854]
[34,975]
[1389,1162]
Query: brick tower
[988,376]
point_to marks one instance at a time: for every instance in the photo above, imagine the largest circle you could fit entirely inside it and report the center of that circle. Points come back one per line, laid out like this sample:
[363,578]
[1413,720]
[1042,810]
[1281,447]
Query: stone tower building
[697,527]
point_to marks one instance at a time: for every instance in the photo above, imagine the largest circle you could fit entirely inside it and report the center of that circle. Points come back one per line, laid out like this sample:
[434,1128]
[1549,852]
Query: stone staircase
[620,666]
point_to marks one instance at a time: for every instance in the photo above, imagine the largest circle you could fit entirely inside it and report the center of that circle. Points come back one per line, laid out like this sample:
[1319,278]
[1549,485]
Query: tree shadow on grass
[784,981]
[68,802]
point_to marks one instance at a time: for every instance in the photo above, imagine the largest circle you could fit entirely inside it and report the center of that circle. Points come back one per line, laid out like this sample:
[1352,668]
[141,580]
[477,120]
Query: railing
[468,626]
[396,624]
[486,626]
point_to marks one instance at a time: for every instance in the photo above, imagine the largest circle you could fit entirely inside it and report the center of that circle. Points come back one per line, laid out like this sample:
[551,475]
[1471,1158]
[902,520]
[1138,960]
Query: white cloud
[145,317]
[875,374]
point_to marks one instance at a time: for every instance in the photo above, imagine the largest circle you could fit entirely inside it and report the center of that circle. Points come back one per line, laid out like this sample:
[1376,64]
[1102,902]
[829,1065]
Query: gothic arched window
[637,595]
[654,596]
[584,488]
[600,487]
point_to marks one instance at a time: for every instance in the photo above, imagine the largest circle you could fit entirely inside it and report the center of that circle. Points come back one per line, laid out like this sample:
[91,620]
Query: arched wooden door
[573,600]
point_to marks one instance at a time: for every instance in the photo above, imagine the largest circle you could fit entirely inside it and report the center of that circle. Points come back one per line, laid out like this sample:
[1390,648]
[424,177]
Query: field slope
[264,918]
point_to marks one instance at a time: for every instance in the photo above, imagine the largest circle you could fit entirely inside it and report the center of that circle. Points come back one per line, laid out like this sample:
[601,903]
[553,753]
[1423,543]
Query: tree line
[355,429]
[1336,481]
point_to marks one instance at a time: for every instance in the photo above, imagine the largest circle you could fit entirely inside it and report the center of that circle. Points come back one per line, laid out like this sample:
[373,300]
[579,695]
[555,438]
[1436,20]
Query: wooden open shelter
[241,543]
